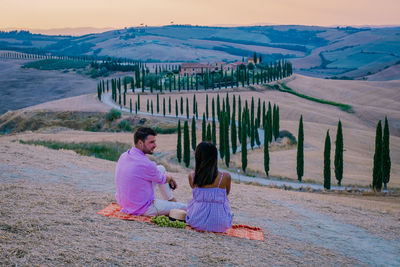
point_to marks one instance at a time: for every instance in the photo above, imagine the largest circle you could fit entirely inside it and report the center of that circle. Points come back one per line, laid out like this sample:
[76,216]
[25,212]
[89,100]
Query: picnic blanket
[237,230]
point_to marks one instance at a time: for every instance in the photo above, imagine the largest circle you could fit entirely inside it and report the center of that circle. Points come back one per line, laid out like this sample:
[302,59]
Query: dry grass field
[49,200]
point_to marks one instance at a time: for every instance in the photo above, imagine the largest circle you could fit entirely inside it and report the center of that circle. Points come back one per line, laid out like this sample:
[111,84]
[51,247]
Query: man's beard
[147,151]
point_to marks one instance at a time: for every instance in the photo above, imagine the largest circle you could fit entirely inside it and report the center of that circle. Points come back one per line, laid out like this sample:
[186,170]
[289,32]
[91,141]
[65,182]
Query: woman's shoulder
[225,175]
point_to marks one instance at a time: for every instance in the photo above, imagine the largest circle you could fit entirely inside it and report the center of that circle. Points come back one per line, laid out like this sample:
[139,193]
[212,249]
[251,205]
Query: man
[136,175]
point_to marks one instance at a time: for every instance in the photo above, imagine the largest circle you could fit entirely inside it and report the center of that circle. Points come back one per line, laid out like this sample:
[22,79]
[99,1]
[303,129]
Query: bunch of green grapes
[164,221]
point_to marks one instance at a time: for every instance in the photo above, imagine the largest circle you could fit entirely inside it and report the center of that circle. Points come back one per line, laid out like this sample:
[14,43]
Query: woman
[209,209]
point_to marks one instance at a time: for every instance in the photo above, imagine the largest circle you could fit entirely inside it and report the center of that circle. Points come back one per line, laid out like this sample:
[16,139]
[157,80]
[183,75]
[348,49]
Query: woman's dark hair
[206,164]
[142,133]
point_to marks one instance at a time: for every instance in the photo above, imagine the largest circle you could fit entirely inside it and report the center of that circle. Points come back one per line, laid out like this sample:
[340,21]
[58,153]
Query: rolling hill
[341,52]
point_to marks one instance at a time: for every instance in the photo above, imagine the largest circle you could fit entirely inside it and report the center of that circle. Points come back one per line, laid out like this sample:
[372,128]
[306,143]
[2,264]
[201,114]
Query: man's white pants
[163,206]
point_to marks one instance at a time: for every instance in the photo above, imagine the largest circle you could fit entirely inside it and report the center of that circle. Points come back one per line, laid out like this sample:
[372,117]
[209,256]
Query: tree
[158,104]
[300,150]
[203,128]
[213,109]
[244,143]
[207,106]
[130,105]
[266,153]
[339,154]
[151,106]
[187,108]
[221,135]
[169,105]
[193,134]
[181,106]
[214,132]
[186,145]
[327,162]
[377,171]
[226,139]
[179,143]
[386,164]
[209,135]
[163,106]
[233,132]
[269,121]
[176,108]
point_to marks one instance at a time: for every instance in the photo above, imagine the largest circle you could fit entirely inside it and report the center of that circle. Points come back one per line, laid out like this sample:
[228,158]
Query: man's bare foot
[173,200]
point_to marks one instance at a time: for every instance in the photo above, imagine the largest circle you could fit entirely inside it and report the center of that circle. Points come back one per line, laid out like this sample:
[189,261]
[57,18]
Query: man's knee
[161,168]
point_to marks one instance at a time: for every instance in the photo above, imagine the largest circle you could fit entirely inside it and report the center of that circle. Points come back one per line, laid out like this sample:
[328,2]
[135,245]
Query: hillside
[342,52]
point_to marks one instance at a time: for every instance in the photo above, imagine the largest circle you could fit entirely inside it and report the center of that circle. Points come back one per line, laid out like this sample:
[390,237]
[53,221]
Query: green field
[57,64]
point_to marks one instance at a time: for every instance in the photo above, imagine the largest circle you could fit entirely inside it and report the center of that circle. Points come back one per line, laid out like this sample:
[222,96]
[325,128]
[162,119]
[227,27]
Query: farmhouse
[190,69]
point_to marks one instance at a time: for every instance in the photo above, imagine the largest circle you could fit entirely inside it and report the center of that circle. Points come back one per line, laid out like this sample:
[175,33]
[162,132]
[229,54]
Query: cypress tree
[186,145]
[213,109]
[233,131]
[179,143]
[176,108]
[257,136]
[244,143]
[187,108]
[339,154]
[218,106]
[277,122]
[148,105]
[203,128]
[269,122]
[151,106]
[194,104]
[266,153]
[228,108]
[226,139]
[214,133]
[258,113]
[169,105]
[221,135]
[300,150]
[138,101]
[158,104]
[209,135]
[327,162]
[181,106]
[377,171]
[130,105]
[136,107]
[263,114]
[207,106]
[386,164]
[164,106]
[193,134]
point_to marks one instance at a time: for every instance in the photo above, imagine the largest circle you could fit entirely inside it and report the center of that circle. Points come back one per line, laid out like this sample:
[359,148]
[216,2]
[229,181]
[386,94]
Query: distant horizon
[61,14]
[82,30]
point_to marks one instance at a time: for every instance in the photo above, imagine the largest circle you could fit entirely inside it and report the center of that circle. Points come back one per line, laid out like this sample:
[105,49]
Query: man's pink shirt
[134,177]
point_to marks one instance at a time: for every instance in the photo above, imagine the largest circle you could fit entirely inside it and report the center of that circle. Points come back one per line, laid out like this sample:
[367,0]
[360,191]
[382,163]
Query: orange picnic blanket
[237,230]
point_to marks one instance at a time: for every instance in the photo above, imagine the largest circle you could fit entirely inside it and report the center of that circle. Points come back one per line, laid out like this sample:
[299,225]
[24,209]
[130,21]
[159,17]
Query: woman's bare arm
[190,180]
[228,183]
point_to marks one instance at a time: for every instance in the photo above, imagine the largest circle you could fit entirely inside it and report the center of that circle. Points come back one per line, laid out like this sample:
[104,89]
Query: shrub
[125,126]
[113,114]
[286,133]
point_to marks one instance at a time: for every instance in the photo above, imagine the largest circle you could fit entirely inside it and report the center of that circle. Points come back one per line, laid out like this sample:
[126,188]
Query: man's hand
[171,182]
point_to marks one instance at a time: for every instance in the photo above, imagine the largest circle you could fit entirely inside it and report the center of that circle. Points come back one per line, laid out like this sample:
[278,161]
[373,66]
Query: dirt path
[49,199]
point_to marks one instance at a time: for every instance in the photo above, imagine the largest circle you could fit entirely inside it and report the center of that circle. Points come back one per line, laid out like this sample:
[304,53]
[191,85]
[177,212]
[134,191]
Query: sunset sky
[47,14]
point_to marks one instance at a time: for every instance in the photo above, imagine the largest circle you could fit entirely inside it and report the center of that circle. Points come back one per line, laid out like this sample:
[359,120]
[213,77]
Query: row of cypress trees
[230,133]
[162,80]
[382,162]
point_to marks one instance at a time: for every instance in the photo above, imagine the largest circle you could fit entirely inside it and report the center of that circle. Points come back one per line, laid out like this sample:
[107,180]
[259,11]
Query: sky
[50,14]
